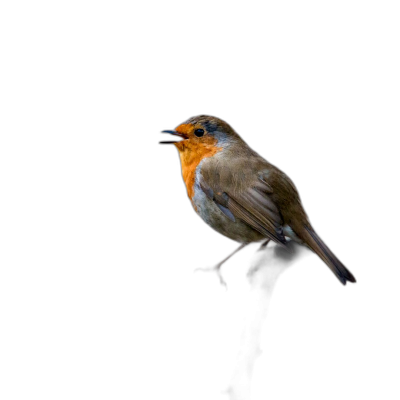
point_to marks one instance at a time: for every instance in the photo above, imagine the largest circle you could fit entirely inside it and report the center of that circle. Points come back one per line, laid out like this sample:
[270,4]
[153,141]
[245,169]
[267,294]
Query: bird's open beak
[182,135]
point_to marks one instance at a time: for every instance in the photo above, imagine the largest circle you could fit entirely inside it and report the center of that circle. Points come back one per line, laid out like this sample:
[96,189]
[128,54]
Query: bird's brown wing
[253,205]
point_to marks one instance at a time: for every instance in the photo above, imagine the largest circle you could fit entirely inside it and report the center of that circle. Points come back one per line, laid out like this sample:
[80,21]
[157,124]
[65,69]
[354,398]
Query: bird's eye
[199,132]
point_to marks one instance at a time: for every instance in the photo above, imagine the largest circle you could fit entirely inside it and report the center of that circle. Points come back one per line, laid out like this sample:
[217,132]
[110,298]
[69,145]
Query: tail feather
[310,237]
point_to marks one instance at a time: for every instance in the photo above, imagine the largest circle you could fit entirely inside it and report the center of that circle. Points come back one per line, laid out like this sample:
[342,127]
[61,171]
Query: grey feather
[226,211]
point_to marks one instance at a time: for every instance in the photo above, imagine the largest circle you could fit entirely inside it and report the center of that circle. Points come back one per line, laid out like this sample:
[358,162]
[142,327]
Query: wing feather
[254,206]
[259,212]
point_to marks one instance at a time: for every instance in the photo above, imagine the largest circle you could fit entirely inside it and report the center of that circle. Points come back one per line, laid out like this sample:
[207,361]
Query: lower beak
[182,135]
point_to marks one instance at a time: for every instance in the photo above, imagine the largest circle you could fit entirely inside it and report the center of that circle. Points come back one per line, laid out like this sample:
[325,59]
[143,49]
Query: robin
[240,194]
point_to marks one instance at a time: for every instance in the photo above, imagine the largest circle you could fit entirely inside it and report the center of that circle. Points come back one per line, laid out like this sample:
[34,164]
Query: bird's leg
[265,245]
[217,268]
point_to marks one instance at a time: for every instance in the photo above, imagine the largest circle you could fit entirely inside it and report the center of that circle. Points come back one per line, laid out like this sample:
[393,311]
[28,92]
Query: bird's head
[202,132]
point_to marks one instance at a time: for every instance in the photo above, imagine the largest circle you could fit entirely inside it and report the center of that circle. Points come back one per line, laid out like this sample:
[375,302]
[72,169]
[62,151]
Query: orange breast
[191,155]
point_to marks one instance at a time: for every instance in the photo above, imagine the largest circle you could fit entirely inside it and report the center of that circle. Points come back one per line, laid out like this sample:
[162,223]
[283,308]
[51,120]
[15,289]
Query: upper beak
[182,135]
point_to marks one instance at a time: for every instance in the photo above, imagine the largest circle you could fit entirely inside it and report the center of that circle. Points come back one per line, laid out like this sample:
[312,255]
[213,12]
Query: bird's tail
[318,246]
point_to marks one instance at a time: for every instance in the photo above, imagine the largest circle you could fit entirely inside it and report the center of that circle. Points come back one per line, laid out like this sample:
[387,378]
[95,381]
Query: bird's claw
[212,270]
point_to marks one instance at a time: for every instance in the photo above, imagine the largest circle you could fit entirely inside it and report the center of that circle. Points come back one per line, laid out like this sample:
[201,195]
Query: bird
[240,194]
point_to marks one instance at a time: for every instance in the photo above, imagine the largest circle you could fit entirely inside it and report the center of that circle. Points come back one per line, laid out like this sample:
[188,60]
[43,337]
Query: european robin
[240,194]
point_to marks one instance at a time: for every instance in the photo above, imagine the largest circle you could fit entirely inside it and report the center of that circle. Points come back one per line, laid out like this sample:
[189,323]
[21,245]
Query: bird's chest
[191,159]
[203,205]
[211,214]
[189,177]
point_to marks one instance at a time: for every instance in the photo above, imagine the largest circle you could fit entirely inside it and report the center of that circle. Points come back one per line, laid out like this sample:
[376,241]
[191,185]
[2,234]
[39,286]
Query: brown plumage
[240,194]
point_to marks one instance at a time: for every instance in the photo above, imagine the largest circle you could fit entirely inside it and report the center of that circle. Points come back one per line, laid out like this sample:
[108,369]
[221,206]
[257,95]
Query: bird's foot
[221,279]
[214,269]
[264,245]
[204,269]
[217,268]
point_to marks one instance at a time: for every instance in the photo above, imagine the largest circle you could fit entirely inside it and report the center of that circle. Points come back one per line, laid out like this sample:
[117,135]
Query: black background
[136,317]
